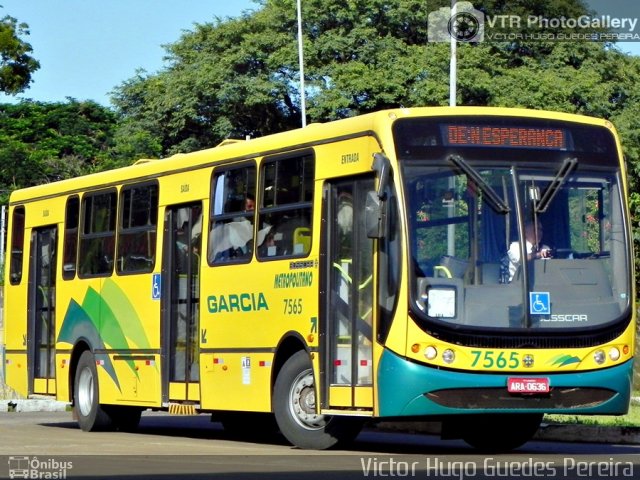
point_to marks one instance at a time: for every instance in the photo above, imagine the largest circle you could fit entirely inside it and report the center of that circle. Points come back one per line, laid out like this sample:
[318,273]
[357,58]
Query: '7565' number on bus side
[490,359]
[292,306]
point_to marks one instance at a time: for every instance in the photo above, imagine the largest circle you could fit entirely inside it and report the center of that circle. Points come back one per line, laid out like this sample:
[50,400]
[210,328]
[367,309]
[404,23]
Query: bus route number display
[505,137]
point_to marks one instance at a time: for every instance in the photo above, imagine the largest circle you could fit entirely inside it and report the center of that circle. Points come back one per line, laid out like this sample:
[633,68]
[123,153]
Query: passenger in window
[233,240]
[268,246]
[249,203]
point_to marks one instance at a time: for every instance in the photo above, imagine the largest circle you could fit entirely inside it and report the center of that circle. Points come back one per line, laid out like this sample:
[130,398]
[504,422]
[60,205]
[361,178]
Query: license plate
[527,385]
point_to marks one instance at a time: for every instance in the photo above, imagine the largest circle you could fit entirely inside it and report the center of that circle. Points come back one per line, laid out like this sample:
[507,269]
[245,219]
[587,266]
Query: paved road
[41,444]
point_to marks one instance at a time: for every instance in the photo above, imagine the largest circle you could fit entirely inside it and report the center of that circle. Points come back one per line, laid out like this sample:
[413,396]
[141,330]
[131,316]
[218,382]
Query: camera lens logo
[464,27]
[464,24]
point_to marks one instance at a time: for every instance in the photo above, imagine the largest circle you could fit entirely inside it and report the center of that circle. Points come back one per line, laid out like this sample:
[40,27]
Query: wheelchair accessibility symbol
[156,284]
[539,303]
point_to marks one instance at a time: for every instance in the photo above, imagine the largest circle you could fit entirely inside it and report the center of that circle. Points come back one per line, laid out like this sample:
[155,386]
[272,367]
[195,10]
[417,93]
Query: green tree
[44,142]
[16,63]
[238,77]
[222,77]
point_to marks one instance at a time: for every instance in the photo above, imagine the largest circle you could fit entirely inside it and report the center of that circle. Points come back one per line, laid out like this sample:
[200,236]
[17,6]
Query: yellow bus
[472,266]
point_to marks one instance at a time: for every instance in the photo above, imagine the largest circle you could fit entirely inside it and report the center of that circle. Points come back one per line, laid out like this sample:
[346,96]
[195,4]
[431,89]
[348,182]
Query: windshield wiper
[553,188]
[494,199]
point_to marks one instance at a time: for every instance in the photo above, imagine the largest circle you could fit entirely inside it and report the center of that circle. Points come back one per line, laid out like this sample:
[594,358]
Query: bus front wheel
[294,401]
[91,416]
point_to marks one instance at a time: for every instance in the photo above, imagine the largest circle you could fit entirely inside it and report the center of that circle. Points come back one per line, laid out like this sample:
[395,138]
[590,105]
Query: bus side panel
[345,158]
[136,380]
[15,320]
[129,320]
[17,307]
[247,309]
[63,371]
[115,313]
[242,320]
[236,381]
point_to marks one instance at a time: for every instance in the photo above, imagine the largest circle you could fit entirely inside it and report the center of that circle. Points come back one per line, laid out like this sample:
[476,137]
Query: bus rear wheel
[294,403]
[91,416]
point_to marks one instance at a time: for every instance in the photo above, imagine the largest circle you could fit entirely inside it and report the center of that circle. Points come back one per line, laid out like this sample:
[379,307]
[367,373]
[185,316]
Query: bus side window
[232,215]
[97,238]
[17,245]
[137,229]
[284,227]
[70,238]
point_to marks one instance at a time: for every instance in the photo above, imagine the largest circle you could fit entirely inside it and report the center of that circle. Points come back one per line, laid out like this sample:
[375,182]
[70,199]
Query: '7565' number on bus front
[292,306]
[491,359]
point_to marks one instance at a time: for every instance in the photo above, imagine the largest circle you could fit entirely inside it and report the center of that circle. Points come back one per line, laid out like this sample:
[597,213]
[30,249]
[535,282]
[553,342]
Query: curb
[33,405]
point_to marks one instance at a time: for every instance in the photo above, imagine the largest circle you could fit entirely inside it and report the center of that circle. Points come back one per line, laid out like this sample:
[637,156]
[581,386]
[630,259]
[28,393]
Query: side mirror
[374,215]
[382,167]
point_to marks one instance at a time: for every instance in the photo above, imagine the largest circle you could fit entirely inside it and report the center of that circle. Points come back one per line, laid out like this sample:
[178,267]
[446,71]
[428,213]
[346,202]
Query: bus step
[182,409]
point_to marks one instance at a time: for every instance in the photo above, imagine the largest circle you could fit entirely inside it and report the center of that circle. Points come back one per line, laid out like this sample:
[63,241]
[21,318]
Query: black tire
[294,407]
[90,414]
[500,433]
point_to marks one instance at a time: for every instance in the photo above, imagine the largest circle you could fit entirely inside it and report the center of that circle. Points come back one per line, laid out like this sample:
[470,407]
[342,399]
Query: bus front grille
[499,398]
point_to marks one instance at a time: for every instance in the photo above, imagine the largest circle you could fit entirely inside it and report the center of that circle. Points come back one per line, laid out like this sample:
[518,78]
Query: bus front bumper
[409,389]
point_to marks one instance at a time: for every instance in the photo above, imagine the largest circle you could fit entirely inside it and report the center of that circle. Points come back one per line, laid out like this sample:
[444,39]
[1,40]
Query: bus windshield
[514,238]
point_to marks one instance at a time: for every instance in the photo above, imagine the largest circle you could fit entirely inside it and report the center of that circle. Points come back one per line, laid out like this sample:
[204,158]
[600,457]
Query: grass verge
[631,419]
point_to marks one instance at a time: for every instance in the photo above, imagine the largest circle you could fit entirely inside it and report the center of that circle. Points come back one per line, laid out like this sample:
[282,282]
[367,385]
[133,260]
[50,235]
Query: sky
[86,48]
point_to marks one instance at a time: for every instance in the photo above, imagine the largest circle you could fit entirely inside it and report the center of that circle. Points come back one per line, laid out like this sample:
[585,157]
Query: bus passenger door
[349,269]
[41,328]
[180,298]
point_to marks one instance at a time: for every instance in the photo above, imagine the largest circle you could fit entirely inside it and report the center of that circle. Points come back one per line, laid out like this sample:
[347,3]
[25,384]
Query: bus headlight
[448,356]
[614,354]
[430,352]
[599,357]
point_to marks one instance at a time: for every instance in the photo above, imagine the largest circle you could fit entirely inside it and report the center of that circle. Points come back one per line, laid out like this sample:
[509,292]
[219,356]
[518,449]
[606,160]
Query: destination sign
[505,137]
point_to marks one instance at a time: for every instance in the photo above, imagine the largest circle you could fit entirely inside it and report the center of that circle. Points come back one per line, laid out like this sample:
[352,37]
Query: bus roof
[376,123]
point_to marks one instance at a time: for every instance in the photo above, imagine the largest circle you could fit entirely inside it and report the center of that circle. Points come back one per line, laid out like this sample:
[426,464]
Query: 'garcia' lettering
[242,302]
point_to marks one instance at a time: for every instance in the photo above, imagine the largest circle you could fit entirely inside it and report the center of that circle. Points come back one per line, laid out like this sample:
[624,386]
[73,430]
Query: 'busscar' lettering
[570,317]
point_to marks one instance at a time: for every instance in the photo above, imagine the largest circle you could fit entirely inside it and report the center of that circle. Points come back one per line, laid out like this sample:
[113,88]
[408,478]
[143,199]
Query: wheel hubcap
[85,392]
[302,402]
